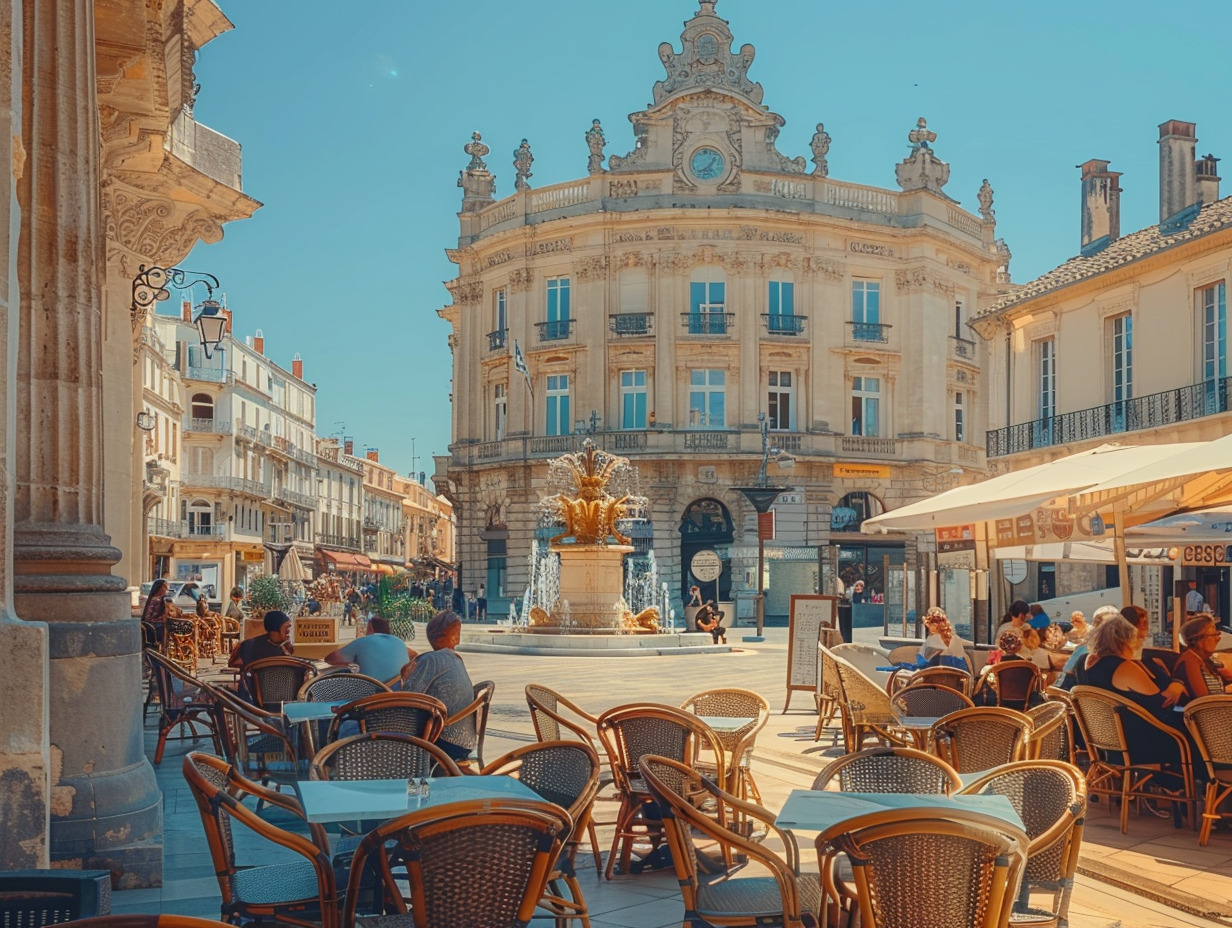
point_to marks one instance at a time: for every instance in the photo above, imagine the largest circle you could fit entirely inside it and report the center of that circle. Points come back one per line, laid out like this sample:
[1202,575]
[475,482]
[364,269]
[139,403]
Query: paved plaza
[1154,877]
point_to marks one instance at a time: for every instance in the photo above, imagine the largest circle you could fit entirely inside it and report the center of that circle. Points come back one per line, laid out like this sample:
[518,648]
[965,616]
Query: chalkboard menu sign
[809,615]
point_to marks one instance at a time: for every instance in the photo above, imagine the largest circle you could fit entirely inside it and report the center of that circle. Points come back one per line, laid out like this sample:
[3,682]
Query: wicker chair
[1050,797]
[255,741]
[1113,771]
[889,770]
[1073,738]
[1010,684]
[565,773]
[33,898]
[184,702]
[905,859]
[952,677]
[1209,720]
[1050,738]
[827,694]
[479,709]
[180,641]
[229,634]
[145,921]
[928,700]
[342,686]
[865,658]
[301,893]
[975,740]
[865,707]
[484,862]
[904,654]
[272,681]
[380,755]
[786,897]
[630,732]
[399,713]
[738,744]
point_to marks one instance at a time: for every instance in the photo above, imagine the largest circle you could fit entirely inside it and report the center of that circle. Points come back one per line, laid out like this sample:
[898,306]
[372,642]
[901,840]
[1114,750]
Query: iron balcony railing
[554,331]
[1141,412]
[869,332]
[339,541]
[708,323]
[631,323]
[498,339]
[963,348]
[209,426]
[210,374]
[779,324]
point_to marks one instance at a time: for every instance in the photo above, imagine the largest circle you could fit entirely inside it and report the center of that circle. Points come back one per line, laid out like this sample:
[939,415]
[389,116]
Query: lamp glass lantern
[211,326]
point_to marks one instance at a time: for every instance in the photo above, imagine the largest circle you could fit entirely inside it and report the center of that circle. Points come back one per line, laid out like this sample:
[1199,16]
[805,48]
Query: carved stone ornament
[476,149]
[944,287]
[591,268]
[824,267]
[522,160]
[779,160]
[707,59]
[477,183]
[154,227]
[521,279]
[911,278]
[922,169]
[465,291]
[641,146]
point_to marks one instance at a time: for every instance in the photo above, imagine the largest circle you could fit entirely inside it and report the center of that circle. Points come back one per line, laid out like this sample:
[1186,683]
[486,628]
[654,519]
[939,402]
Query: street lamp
[151,285]
[762,497]
[211,326]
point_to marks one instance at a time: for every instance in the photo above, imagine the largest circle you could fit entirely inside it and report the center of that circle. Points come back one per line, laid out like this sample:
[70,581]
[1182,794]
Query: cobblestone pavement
[1154,877]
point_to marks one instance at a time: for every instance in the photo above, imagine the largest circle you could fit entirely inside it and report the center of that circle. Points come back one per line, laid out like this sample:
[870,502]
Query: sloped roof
[1130,248]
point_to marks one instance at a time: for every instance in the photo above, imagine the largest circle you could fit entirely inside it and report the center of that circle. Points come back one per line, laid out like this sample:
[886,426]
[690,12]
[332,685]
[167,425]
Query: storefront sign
[253,557]
[1046,525]
[955,538]
[706,566]
[315,630]
[867,471]
[1205,555]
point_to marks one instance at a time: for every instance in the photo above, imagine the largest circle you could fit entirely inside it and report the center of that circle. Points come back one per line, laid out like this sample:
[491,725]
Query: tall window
[707,399]
[960,430]
[500,310]
[633,399]
[780,406]
[557,309]
[782,304]
[1212,310]
[558,421]
[202,406]
[866,310]
[707,303]
[1046,378]
[958,319]
[866,406]
[500,410]
[1122,369]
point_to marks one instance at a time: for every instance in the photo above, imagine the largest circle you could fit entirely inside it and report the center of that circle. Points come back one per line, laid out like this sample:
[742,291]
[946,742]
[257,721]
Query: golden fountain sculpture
[591,512]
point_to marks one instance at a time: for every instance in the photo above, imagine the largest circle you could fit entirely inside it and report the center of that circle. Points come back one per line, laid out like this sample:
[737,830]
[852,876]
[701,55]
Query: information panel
[809,615]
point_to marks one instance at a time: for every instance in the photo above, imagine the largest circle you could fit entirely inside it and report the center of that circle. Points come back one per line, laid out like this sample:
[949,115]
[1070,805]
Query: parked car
[183,593]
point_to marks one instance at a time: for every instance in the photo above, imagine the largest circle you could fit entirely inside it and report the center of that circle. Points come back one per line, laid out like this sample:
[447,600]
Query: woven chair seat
[276,883]
[385,921]
[754,897]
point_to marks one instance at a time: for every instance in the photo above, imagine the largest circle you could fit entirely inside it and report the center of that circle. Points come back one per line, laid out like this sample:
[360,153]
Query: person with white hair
[1068,679]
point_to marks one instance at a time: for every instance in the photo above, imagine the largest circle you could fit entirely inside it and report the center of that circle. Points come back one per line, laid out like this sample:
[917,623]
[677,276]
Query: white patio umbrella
[292,568]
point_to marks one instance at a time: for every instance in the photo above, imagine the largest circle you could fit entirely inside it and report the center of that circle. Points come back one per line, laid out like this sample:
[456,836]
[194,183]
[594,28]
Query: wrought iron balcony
[779,324]
[210,374]
[631,323]
[498,339]
[209,426]
[339,541]
[554,331]
[1142,412]
[869,332]
[963,348]
[708,323]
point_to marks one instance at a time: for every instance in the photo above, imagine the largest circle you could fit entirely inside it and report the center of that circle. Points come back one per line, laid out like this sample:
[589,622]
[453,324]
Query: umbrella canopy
[292,568]
[1022,491]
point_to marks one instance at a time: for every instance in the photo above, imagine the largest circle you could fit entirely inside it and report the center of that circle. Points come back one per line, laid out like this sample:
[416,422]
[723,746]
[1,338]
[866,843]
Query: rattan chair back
[342,686]
[484,862]
[1050,796]
[1209,720]
[865,706]
[185,707]
[479,708]
[929,700]
[1010,683]
[734,703]
[272,681]
[415,714]
[953,677]
[905,861]
[555,717]
[867,659]
[1049,738]
[254,740]
[973,740]
[381,755]
[904,654]
[828,693]
[889,770]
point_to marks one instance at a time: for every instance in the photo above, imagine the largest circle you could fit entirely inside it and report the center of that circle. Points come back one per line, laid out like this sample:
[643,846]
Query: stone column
[24,749]
[105,804]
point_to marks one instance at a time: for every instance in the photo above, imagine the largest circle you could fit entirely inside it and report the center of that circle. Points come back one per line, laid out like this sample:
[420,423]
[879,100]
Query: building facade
[340,507]
[680,297]
[1126,342]
[384,530]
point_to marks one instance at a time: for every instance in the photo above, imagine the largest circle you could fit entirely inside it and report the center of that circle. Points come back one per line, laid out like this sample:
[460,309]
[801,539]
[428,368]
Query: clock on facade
[706,164]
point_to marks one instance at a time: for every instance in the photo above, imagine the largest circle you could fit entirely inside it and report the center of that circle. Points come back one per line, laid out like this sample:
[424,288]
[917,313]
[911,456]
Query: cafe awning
[345,560]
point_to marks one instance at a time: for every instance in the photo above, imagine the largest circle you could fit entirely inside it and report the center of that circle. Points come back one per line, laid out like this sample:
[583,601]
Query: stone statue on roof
[921,136]
[476,149]
[595,141]
[821,147]
[922,169]
[985,197]
[477,183]
[522,160]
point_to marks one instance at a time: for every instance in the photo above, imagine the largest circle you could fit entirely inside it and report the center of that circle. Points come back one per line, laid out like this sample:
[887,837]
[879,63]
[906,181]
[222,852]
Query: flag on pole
[519,364]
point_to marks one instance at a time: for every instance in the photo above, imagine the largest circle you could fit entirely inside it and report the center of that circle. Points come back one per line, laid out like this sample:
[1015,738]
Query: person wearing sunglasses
[1197,667]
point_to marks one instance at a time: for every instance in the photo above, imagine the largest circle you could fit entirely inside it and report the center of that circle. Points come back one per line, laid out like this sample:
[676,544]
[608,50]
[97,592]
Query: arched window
[853,509]
[202,406]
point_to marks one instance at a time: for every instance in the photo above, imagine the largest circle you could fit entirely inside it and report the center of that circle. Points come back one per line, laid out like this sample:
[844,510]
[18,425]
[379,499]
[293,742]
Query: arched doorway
[706,525]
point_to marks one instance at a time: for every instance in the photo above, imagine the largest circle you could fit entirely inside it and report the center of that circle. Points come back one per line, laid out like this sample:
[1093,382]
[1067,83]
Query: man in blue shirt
[377,654]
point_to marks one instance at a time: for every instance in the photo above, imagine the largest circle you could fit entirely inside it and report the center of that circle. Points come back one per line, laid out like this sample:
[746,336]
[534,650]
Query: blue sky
[353,117]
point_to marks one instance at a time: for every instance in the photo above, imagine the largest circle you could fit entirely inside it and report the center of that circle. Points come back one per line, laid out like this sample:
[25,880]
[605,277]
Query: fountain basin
[594,644]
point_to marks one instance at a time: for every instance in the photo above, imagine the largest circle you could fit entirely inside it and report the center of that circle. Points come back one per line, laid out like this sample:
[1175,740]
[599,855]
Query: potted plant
[265,594]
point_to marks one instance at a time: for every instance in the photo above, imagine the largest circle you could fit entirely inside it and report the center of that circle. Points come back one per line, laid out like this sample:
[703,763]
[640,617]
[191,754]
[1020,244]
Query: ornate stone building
[109,171]
[683,294]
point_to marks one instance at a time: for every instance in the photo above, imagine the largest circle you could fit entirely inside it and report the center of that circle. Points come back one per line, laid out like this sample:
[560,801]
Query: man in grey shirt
[440,673]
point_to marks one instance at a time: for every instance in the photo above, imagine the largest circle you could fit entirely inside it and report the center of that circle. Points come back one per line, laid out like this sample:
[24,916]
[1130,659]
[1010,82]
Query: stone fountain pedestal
[588,576]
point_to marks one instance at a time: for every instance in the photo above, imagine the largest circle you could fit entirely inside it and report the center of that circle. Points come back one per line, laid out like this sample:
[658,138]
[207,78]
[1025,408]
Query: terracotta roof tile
[1125,250]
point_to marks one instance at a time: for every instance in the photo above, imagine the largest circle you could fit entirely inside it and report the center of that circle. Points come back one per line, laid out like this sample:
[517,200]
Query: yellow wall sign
[315,629]
[866,471]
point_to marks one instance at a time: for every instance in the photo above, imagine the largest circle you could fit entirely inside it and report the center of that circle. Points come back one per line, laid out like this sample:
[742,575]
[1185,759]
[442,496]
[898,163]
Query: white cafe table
[817,810]
[306,711]
[725,723]
[918,726]
[347,800]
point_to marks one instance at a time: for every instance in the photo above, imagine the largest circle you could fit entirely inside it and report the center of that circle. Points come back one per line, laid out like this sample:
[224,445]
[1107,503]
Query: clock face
[706,164]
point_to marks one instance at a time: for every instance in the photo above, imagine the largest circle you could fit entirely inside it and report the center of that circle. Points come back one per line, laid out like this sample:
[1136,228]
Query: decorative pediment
[707,59]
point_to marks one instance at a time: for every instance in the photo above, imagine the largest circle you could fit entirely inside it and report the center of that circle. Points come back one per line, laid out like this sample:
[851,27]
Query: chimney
[186,310]
[1206,175]
[258,343]
[348,446]
[374,455]
[226,312]
[1177,189]
[297,367]
[1101,206]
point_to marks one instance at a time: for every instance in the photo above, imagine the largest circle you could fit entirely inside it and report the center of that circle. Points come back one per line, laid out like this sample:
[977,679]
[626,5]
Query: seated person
[942,646]
[1032,650]
[1197,668]
[1009,649]
[441,674]
[1068,678]
[1015,619]
[710,619]
[1078,629]
[378,654]
[276,642]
